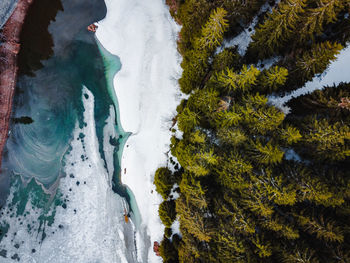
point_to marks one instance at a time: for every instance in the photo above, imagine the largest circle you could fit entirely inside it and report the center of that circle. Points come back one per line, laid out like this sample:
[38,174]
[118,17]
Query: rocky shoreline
[9,49]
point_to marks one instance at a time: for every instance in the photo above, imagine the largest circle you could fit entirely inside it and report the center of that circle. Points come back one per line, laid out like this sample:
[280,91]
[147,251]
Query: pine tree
[168,251]
[187,120]
[281,228]
[204,100]
[237,220]
[302,255]
[263,248]
[262,120]
[233,170]
[213,31]
[328,141]
[315,18]
[276,188]
[257,203]
[290,135]
[317,59]
[233,137]
[229,248]
[243,81]
[228,119]
[193,191]
[278,27]
[167,212]
[163,181]
[267,154]
[274,78]
[195,66]
[324,230]
[312,189]
[193,220]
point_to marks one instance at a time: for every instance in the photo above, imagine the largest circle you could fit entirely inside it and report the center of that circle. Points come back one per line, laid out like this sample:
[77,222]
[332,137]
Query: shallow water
[44,160]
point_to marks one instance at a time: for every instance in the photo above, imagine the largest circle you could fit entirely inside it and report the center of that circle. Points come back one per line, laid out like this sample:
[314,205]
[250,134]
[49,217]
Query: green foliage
[263,119]
[274,78]
[317,59]
[243,81]
[328,141]
[163,181]
[213,31]
[188,120]
[195,67]
[228,58]
[300,255]
[326,230]
[167,212]
[290,135]
[325,12]
[278,27]
[204,100]
[193,221]
[266,154]
[241,199]
[168,252]
[234,137]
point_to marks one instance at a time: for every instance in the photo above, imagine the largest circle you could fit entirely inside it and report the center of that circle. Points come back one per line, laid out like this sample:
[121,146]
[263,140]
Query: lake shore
[8,66]
[144,35]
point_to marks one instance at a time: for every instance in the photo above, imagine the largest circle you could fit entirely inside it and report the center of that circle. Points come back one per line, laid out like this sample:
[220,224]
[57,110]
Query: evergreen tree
[315,18]
[274,78]
[278,27]
[163,181]
[194,221]
[317,59]
[188,120]
[328,141]
[326,230]
[213,31]
[167,212]
[266,154]
[233,81]
[290,135]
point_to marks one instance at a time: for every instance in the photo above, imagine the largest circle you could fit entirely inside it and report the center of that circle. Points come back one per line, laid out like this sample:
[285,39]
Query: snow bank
[91,227]
[143,34]
[337,72]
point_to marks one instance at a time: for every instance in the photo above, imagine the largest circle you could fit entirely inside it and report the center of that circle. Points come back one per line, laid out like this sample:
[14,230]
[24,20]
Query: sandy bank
[9,49]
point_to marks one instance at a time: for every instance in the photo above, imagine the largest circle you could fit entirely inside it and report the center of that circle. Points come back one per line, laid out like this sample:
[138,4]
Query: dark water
[58,57]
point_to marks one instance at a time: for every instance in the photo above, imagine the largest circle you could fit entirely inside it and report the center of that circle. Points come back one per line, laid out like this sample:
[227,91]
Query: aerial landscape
[175,131]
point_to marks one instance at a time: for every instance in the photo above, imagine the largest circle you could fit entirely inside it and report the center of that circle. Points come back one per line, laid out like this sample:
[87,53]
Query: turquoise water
[51,95]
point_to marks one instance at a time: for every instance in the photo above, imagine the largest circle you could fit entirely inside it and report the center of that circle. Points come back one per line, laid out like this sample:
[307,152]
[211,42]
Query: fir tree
[213,31]
[317,59]
[328,141]
[163,181]
[266,154]
[167,212]
[278,27]
[315,18]
[274,78]
[188,120]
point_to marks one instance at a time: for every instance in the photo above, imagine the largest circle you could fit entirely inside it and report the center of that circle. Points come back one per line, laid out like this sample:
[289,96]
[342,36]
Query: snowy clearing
[143,34]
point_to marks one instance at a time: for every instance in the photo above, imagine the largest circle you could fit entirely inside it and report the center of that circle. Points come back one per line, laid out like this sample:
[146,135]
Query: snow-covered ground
[338,71]
[143,34]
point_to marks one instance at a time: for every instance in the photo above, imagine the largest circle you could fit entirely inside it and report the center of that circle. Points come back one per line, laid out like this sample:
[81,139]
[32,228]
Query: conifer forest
[248,181]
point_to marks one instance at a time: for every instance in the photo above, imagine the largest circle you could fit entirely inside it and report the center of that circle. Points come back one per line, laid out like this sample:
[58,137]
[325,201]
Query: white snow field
[143,34]
[338,71]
